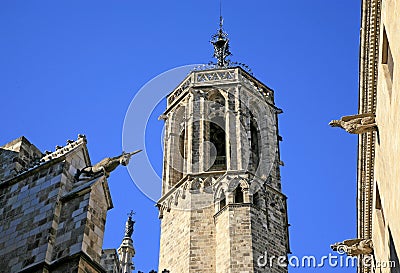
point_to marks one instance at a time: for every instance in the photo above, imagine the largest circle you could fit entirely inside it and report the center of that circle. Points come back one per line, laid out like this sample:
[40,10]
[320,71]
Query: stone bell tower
[222,209]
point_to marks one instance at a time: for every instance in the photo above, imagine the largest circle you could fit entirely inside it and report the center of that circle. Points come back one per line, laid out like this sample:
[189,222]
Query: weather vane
[220,42]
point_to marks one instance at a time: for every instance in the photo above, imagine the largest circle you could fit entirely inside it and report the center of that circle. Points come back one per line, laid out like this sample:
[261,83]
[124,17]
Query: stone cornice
[233,205]
[208,182]
[185,179]
[218,77]
[369,50]
[54,264]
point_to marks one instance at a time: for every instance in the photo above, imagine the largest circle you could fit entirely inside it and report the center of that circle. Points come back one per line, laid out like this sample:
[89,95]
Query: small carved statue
[356,124]
[354,247]
[129,226]
[105,166]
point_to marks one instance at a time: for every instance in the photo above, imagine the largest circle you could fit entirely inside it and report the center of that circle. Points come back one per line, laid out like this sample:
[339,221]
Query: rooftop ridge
[60,151]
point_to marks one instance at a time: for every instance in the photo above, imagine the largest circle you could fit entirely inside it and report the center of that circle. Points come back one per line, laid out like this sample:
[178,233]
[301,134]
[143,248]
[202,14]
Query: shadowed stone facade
[49,222]
[221,207]
[110,261]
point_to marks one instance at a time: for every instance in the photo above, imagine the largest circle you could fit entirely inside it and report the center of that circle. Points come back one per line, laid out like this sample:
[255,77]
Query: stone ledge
[234,205]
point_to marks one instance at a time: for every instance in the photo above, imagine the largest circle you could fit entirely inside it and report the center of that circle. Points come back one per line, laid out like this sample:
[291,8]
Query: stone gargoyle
[354,247]
[105,166]
[356,124]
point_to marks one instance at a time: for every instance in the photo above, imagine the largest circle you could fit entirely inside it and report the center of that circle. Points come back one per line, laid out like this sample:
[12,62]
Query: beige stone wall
[188,236]
[229,239]
[240,239]
[175,239]
[385,221]
[222,237]
[202,234]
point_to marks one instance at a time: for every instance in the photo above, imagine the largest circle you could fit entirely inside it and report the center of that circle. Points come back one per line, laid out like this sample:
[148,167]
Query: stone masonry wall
[95,224]
[15,156]
[269,238]
[27,218]
[110,261]
[175,239]
[386,188]
[240,238]
[71,227]
[188,232]
[46,217]
[202,233]
[222,237]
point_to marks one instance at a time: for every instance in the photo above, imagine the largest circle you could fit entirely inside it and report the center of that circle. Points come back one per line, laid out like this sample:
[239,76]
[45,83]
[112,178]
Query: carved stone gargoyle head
[125,157]
[354,247]
[356,124]
[335,123]
[105,166]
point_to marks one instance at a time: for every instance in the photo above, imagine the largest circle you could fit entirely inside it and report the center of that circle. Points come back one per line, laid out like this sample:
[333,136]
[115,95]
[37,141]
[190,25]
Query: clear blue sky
[69,67]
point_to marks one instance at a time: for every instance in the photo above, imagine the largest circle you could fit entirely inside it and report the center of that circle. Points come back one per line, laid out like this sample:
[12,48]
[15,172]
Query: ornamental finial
[129,225]
[220,42]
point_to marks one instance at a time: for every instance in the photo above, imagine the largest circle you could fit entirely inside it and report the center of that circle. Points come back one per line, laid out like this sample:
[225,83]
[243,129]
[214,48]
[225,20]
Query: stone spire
[220,42]
[126,250]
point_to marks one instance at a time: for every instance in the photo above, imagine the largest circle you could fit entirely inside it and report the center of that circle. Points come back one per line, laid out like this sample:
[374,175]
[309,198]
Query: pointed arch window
[178,147]
[217,101]
[216,131]
[222,200]
[238,194]
[255,140]
[182,144]
[218,139]
[217,148]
